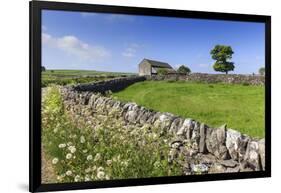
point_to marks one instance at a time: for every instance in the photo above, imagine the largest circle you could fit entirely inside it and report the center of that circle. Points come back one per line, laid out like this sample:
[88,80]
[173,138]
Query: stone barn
[151,67]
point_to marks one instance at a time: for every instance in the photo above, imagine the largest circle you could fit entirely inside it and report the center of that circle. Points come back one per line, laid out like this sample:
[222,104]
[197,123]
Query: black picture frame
[36,8]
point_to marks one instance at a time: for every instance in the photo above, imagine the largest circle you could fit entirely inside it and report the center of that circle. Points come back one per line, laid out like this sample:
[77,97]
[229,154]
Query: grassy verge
[107,150]
[241,107]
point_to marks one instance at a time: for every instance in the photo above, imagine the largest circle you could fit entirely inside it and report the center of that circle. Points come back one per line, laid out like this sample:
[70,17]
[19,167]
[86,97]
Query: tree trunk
[226,72]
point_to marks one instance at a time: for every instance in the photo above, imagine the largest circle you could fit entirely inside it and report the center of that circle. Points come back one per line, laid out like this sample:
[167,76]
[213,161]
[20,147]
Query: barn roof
[159,64]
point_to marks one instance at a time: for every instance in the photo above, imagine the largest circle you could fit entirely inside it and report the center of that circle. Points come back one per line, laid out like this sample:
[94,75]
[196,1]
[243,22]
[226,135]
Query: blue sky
[117,43]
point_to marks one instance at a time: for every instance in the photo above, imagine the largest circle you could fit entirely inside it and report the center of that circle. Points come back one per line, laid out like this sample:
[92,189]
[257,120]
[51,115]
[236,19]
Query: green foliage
[262,71]
[106,150]
[222,54]
[241,107]
[183,69]
[162,71]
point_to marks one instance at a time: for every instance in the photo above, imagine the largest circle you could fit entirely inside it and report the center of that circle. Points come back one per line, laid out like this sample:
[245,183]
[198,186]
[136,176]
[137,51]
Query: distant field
[240,107]
[64,77]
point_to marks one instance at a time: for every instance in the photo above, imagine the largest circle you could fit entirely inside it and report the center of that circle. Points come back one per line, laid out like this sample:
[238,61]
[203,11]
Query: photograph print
[133,96]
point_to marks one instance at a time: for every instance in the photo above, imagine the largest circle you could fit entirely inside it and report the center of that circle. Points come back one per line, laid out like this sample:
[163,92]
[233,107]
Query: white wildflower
[100,169]
[68,156]
[59,178]
[85,151]
[109,162]
[62,145]
[77,178]
[107,177]
[69,143]
[82,139]
[89,157]
[72,149]
[87,178]
[55,161]
[69,173]
[97,157]
[100,175]
[88,170]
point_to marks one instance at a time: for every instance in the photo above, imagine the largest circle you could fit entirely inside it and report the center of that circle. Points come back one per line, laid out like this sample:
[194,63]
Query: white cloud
[130,51]
[72,45]
[47,39]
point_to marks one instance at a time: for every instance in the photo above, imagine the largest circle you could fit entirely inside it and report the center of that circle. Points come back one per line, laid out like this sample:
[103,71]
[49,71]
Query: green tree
[162,71]
[262,71]
[222,54]
[43,68]
[183,70]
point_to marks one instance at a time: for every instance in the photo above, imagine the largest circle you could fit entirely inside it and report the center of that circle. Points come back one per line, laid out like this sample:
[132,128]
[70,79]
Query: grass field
[64,77]
[240,107]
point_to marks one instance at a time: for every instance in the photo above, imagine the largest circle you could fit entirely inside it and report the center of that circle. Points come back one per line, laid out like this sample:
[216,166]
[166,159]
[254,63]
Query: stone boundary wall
[114,85]
[213,78]
[230,149]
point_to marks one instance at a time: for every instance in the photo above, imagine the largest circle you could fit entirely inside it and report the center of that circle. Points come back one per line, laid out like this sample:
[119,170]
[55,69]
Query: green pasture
[241,107]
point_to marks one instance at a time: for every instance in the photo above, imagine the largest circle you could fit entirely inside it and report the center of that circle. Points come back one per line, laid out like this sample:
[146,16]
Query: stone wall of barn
[144,68]
[213,78]
[208,150]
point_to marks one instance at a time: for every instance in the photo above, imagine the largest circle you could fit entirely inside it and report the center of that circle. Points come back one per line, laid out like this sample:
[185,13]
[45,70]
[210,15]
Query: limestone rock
[202,142]
[236,144]
[176,144]
[176,124]
[252,156]
[199,168]
[262,152]
[195,136]
[217,168]
[186,128]
[233,170]
[228,163]
[208,159]
[215,142]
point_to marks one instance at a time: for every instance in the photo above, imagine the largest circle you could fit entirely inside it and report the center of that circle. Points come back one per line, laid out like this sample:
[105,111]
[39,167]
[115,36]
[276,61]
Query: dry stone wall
[206,149]
[113,85]
[213,78]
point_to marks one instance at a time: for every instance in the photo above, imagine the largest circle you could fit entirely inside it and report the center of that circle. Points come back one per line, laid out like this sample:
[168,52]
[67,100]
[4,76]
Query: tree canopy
[162,71]
[262,71]
[222,54]
[183,69]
